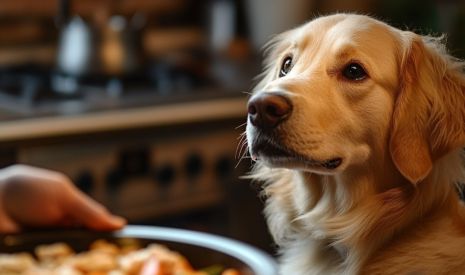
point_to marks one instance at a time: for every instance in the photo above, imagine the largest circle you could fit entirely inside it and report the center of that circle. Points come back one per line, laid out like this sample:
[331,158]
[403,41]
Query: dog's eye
[354,72]
[286,67]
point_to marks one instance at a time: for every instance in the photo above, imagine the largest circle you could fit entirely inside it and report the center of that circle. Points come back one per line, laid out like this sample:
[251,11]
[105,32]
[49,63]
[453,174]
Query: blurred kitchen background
[142,102]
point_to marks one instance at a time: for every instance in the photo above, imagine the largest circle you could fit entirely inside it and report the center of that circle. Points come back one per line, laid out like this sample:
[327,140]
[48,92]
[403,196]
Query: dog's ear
[429,113]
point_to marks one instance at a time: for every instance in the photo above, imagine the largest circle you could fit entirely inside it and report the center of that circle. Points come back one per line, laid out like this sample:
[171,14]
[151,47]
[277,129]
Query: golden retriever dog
[357,129]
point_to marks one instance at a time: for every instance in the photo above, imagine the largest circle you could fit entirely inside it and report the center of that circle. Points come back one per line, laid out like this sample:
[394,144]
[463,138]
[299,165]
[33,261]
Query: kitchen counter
[98,109]
[123,119]
[115,116]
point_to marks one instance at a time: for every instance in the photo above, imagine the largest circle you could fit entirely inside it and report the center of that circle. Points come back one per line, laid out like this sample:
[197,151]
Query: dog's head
[345,87]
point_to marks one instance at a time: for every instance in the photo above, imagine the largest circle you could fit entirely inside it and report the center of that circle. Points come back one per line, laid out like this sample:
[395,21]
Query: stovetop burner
[26,85]
[42,91]
[32,84]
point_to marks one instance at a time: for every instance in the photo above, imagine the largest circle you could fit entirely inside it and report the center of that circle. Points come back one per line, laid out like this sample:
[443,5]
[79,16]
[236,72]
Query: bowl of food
[138,250]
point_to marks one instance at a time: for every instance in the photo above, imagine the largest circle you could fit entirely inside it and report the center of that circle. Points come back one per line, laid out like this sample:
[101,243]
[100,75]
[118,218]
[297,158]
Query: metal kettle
[76,49]
[76,45]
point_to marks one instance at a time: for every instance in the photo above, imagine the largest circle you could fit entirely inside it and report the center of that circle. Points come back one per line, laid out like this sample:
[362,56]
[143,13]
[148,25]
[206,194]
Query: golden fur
[391,206]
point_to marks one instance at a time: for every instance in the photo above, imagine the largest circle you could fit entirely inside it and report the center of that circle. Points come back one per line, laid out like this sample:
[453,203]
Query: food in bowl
[102,258]
[202,249]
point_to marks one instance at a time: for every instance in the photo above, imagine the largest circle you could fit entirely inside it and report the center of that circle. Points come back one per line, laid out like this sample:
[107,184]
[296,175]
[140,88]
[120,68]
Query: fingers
[41,198]
[30,172]
[32,201]
[90,213]
[7,225]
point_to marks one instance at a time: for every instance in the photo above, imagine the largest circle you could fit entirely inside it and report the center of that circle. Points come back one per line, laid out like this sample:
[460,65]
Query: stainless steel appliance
[156,145]
[150,156]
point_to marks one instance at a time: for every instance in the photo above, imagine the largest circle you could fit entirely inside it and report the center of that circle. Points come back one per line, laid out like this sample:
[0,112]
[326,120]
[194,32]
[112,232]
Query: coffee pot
[109,49]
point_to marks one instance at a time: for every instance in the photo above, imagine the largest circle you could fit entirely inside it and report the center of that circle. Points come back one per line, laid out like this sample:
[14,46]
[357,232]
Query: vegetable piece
[231,271]
[213,269]
[15,263]
[105,247]
[152,266]
[53,251]
[95,261]
[66,270]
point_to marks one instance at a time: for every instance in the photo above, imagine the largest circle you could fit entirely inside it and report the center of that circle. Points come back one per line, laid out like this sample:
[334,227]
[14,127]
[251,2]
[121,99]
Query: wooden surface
[47,8]
[123,119]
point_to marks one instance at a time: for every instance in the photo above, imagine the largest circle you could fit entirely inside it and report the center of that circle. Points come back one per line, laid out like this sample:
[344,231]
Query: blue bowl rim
[258,261]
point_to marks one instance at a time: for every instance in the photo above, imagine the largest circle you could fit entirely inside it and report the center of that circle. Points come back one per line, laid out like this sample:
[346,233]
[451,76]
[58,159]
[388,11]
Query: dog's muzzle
[268,109]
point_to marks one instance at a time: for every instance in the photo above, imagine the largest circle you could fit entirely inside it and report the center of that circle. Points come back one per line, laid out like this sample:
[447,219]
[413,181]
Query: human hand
[35,197]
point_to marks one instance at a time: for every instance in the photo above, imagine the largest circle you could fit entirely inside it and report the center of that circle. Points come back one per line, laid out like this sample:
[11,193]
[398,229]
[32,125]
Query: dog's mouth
[280,156]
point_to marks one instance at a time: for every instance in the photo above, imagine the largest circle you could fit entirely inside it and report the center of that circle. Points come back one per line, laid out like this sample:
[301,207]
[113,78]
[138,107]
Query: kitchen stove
[38,91]
[148,148]
[41,91]
[33,92]
[147,173]
[154,142]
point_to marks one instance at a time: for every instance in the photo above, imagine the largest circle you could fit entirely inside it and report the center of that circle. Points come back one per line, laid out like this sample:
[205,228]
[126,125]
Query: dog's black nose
[266,110]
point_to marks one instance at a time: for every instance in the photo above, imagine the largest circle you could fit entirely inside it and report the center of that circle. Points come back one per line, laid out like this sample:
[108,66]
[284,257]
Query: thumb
[7,224]
[90,213]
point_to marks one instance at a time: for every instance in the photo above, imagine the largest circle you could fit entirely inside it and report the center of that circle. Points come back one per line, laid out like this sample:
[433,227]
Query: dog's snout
[267,110]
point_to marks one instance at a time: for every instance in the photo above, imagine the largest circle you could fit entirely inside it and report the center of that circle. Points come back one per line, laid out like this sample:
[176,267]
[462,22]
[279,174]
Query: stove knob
[113,179]
[193,165]
[165,175]
[85,181]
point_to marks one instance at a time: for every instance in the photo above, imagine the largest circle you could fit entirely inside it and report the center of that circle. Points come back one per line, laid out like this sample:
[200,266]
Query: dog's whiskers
[241,142]
[242,135]
[244,145]
[243,156]
[241,125]
[240,145]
